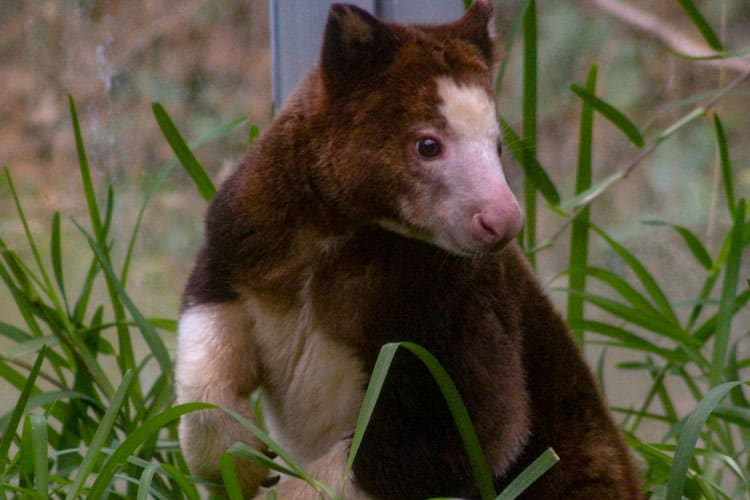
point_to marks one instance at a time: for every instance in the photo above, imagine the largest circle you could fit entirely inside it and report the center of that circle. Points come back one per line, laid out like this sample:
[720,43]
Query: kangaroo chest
[313,385]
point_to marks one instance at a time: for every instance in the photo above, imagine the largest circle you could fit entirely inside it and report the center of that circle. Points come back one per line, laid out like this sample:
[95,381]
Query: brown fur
[294,229]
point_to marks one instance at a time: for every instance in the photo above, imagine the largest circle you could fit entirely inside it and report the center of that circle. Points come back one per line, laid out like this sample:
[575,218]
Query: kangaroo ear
[476,27]
[356,46]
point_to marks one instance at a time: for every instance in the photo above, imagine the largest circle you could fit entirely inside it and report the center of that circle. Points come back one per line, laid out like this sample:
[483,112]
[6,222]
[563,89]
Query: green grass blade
[738,470]
[25,457]
[131,243]
[38,429]
[147,329]
[666,397]
[280,452]
[166,169]
[135,439]
[126,356]
[738,396]
[167,324]
[658,375]
[160,177]
[247,452]
[532,169]
[612,114]
[696,486]
[537,469]
[43,399]
[728,297]
[627,339]
[710,281]
[646,415]
[20,407]
[530,74]
[726,164]
[695,246]
[56,257]
[529,124]
[229,476]
[690,433]
[739,415]
[688,344]
[588,195]
[144,484]
[109,207]
[691,240]
[646,279]
[81,306]
[102,433]
[727,54]
[700,22]
[680,123]
[23,304]
[159,396]
[220,131]
[374,386]
[29,346]
[14,378]
[579,240]
[186,487]
[13,332]
[640,317]
[623,288]
[45,283]
[88,185]
[90,364]
[708,328]
[252,134]
[24,276]
[184,154]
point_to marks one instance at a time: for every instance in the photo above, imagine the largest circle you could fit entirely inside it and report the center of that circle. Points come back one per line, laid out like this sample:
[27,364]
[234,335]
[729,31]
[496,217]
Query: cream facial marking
[470,112]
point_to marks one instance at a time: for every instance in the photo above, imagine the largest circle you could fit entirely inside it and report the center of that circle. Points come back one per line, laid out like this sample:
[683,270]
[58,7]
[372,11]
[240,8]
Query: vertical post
[419,11]
[297,31]
[296,34]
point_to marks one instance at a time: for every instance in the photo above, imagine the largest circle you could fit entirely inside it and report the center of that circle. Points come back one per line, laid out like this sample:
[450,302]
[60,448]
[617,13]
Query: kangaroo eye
[428,147]
[499,149]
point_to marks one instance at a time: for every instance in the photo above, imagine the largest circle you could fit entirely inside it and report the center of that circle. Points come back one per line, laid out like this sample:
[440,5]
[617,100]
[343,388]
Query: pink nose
[493,228]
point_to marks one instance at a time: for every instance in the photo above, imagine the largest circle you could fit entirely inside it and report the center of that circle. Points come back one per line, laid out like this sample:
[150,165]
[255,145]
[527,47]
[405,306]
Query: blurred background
[209,63]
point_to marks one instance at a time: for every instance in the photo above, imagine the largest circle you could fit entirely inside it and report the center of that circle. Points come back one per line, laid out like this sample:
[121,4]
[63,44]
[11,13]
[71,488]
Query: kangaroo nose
[494,228]
[486,230]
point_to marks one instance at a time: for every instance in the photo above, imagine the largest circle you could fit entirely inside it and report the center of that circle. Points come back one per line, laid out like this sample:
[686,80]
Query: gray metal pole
[297,30]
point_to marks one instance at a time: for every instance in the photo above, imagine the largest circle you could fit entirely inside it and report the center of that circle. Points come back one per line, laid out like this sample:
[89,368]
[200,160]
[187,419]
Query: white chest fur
[313,385]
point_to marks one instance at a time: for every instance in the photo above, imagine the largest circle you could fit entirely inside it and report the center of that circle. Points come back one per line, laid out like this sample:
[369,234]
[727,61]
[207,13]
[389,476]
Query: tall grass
[78,429]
